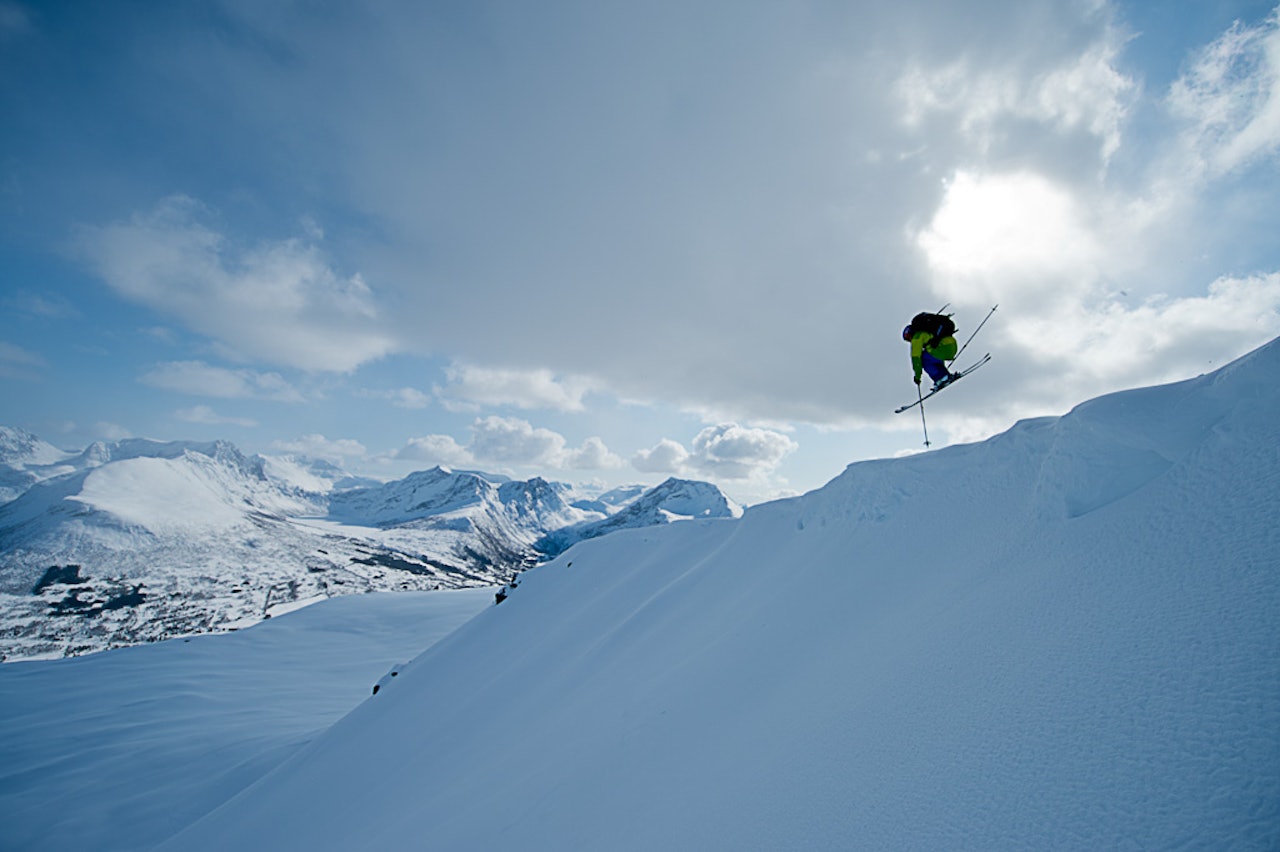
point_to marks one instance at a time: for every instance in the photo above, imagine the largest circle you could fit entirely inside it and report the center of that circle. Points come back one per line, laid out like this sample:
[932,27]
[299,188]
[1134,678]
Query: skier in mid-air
[933,344]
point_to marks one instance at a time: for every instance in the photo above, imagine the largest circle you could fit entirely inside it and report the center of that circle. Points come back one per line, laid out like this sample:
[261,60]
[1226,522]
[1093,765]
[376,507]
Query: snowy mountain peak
[673,500]
[26,460]
[100,453]
[687,498]
[420,494]
[20,449]
[534,497]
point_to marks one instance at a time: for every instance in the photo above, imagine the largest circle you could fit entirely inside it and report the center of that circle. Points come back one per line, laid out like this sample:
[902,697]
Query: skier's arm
[917,349]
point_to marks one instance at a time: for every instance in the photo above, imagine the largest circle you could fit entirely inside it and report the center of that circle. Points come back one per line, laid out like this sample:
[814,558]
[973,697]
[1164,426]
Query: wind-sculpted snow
[1064,637]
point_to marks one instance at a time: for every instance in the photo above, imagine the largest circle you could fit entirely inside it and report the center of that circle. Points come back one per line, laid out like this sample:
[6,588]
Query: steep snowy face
[419,495]
[1065,634]
[538,503]
[25,460]
[19,448]
[684,498]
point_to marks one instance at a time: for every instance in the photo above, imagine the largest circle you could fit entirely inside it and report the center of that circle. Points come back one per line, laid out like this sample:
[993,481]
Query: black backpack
[939,325]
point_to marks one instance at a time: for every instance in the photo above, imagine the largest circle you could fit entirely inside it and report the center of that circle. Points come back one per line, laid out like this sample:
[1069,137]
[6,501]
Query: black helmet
[906,333]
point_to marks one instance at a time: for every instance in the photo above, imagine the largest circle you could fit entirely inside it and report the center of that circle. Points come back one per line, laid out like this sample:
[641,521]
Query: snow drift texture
[1064,637]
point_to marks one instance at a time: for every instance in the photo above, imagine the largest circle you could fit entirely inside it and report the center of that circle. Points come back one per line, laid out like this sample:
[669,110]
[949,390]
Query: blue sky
[612,242]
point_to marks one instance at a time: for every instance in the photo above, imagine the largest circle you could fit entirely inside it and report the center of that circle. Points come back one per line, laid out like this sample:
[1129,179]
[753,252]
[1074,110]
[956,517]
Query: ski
[960,375]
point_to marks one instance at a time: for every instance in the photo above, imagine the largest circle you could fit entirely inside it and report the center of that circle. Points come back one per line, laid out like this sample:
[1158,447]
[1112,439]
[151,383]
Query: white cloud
[727,450]
[1084,90]
[1090,93]
[511,442]
[410,398]
[1162,338]
[1095,278]
[318,446]
[746,237]
[436,450]
[18,363]
[1026,243]
[200,379]
[162,333]
[470,387]
[277,301]
[206,415]
[994,233]
[592,455]
[1107,345]
[1231,96]
[107,431]
[51,306]
[667,456]
[14,20]
[757,267]
[738,452]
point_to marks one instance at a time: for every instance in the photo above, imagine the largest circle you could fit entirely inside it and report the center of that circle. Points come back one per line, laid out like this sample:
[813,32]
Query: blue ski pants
[935,368]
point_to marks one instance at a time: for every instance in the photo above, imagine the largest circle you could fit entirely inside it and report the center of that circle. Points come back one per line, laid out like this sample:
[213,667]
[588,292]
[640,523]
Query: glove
[917,380]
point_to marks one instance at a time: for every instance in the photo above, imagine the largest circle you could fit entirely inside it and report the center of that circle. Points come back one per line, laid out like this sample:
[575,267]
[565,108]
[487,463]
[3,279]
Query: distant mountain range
[137,540]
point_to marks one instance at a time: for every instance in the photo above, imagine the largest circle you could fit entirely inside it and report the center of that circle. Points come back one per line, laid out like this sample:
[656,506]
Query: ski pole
[975,333]
[923,424]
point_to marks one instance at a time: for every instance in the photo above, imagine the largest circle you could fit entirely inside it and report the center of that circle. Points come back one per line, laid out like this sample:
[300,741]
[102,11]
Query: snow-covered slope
[116,751]
[1064,637]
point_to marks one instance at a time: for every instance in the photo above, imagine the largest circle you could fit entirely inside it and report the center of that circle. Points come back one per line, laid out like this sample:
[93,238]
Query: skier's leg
[936,369]
[944,349]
